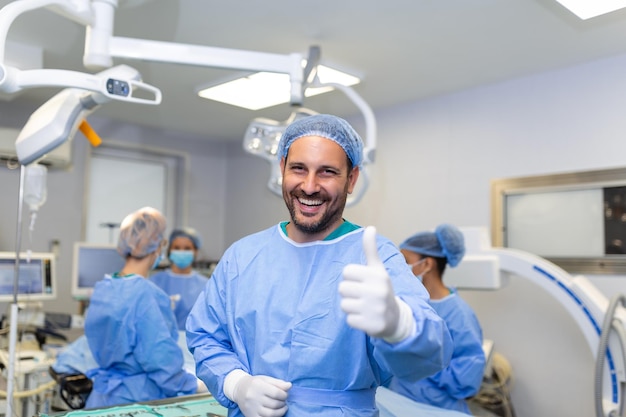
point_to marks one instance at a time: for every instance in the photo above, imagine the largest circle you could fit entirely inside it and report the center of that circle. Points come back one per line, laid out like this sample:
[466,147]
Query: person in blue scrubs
[428,253]
[313,314]
[130,327]
[180,281]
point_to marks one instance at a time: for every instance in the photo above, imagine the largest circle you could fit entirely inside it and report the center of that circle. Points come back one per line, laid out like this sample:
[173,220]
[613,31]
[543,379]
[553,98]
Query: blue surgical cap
[326,126]
[189,233]
[446,241]
[141,233]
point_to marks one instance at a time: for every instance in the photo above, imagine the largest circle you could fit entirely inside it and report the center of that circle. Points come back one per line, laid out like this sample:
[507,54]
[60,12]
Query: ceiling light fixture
[265,89]
[586,9]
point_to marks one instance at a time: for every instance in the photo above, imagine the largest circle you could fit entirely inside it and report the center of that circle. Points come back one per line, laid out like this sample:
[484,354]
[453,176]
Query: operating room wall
[62,216]
[435,161]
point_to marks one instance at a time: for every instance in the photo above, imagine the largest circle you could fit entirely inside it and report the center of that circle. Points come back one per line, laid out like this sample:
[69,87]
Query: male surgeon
[310,316]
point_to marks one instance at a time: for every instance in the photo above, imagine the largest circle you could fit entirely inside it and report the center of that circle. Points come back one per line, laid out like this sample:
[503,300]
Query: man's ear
[352,177]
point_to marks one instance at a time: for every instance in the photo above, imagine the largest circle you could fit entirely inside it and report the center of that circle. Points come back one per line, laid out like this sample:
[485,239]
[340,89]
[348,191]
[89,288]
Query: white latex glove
[369,299]
[201,387]
[257,396]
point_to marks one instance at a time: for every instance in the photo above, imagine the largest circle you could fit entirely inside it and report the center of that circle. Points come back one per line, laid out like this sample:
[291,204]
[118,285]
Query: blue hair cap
[141,233]
[326,126]
[446,241]
[189,233]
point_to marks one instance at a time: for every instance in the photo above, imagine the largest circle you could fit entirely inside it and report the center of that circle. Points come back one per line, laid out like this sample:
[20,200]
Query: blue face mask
[157,261]
[181,258]
[414,264]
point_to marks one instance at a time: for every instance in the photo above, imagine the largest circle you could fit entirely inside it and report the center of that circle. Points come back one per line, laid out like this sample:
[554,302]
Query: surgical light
[262,138]
[57,120]
[265,89]
[263,135]
[586,9]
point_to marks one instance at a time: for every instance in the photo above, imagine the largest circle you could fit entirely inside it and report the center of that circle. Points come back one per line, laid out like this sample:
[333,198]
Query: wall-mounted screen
[91,263]
[576,220]
[36,277]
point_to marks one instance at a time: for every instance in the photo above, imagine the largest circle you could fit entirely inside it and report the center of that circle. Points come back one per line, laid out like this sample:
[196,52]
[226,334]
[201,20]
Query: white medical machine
[90,263]
[36,283]
[602,321]
[37,277]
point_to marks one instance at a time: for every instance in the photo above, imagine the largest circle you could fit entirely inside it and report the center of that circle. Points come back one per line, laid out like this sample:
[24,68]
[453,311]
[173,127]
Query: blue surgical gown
[74,358]
[272,307]
[132,334]
[187,287]
[463,376]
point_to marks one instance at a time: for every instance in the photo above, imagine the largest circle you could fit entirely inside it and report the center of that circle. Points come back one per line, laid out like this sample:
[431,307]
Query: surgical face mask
[414,264]
[157,261]
[181,258]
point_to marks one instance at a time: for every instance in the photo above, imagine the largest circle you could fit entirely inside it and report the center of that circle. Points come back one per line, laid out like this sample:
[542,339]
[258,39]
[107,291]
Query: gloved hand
[369,299]
[257,396]
[201,387]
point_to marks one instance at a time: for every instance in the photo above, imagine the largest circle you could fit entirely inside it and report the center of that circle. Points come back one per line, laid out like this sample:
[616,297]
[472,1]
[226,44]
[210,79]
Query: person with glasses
[428,253]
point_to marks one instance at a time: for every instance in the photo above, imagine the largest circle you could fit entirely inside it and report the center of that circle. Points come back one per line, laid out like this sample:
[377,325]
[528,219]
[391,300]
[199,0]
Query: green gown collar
[345,228]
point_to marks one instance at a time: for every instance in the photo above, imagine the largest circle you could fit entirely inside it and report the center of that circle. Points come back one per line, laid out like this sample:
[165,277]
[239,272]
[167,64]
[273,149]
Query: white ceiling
[405,50]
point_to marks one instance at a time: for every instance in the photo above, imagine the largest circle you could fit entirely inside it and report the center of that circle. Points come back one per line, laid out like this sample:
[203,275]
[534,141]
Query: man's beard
[333,213]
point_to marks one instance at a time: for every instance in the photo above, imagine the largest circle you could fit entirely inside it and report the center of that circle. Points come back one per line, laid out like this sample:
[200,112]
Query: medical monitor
[36,277]
[91,263]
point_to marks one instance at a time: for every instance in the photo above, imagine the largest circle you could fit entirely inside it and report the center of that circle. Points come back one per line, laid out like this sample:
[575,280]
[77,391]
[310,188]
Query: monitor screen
[91,263]
[36,277]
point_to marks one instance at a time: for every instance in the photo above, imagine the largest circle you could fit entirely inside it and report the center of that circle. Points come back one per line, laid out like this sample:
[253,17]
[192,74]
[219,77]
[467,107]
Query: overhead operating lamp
[59,118]
[262,137]
[100,48]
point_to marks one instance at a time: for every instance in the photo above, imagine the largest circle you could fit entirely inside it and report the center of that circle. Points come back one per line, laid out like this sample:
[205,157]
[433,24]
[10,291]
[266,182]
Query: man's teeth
[307,202]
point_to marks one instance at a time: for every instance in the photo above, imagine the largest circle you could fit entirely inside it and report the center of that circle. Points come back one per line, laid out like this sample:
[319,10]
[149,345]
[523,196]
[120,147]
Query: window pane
[117,187]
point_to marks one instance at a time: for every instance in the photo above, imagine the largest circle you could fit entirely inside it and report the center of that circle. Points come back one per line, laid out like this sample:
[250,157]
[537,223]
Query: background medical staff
[130,326]
[180,281]
[428,253]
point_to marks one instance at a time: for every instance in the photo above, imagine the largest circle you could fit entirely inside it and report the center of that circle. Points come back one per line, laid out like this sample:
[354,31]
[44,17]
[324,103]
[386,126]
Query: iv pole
[14,306]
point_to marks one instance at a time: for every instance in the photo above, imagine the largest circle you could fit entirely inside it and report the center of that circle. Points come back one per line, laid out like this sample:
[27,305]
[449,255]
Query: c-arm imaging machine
[602,322]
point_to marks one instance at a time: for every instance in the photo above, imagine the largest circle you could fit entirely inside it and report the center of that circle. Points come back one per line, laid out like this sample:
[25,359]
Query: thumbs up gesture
[368,297]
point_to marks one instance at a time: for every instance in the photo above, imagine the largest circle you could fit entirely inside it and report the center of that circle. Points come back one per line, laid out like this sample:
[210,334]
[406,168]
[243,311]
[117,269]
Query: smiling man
[310,316]
[317,179]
